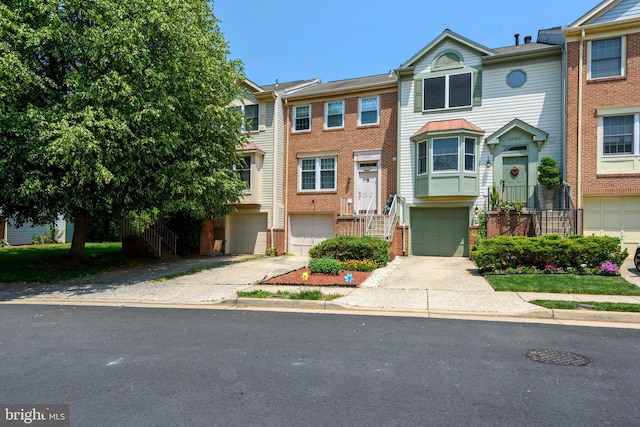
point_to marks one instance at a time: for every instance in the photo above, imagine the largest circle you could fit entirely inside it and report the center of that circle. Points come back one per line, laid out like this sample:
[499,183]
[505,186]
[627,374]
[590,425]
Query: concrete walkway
[424,286]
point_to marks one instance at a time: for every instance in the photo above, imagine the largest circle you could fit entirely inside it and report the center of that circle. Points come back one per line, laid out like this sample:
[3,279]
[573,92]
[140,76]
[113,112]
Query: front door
[367,195]
[514,178]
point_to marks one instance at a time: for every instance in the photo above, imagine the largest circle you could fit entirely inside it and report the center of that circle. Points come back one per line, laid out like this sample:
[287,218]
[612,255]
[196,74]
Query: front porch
[555,215]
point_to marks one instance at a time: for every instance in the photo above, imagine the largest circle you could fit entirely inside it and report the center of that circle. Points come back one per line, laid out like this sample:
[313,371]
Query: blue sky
[340,39]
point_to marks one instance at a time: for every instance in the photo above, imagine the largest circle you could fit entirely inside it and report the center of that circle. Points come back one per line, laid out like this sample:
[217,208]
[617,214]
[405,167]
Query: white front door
[367,195]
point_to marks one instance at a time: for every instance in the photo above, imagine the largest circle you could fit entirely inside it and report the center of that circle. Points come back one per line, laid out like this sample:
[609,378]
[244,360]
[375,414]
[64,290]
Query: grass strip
[589,305]
[314,295]
[562,283]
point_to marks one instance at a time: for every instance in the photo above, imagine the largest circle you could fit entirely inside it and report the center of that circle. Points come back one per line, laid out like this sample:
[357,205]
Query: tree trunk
[80,229]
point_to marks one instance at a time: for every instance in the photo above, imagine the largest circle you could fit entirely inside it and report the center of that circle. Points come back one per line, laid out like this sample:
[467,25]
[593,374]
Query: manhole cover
[554,357]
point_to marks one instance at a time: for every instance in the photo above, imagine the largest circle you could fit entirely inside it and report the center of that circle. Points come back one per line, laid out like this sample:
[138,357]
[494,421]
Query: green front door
[514,179]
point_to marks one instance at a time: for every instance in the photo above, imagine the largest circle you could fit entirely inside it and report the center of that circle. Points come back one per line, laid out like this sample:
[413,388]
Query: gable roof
[538,136]
[609,15]
[596,11]
[450,35]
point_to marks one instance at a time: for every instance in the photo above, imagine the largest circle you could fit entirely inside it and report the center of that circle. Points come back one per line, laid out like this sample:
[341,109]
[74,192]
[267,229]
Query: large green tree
[115,106]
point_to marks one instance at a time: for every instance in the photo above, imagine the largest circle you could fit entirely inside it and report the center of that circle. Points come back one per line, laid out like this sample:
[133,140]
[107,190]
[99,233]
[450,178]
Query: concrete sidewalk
[424,286]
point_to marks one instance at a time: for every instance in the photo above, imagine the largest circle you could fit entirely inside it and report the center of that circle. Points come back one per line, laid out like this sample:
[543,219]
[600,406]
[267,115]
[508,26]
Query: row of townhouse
[425,143]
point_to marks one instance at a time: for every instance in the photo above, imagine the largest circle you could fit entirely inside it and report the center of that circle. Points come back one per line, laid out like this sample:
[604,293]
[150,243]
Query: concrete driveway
[436,273]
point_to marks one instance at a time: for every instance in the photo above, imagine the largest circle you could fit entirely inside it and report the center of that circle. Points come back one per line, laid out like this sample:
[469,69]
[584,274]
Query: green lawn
[595,306]
[562,283]
[50,263]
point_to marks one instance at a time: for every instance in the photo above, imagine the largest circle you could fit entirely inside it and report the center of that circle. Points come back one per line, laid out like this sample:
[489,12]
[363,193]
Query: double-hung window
[368,111]
[607,58]
[445,154]
[469,154]
[244,172]
[301,118]
[334,114]
[450,91]
[251,117]
[422,157]
[620,135]
[250,113]
[318,174]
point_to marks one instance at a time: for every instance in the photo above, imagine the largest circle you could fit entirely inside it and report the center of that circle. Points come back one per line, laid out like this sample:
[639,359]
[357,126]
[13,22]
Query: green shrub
[359,265]
[344,248]
[506,252]
[325,265]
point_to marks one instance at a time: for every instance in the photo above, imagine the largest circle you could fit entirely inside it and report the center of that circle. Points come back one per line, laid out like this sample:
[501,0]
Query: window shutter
[477,89]
[262,117]
[417,95]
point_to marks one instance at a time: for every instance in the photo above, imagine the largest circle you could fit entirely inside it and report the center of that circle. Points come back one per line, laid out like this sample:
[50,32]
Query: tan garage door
[306,231]
[247,234]
[614,216]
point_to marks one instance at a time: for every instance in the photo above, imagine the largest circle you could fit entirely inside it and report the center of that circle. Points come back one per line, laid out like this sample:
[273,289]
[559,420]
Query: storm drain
[555,357]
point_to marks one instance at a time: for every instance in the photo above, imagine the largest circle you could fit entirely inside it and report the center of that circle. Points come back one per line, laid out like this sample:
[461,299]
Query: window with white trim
[334,114]
[422,157]
[368,111]
[318,174]
[450,91]
[607,58]
[301,118]
[469,154]
[620,135]
[250,113]
[445,154]
[244,171]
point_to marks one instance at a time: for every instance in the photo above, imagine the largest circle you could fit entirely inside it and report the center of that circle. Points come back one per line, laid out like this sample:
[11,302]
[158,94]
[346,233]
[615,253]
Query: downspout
[286,175]
[579,151]
[274,206]
[565,112]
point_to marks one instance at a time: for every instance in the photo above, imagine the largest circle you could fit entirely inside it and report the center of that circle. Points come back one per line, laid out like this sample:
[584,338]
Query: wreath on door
[515,171]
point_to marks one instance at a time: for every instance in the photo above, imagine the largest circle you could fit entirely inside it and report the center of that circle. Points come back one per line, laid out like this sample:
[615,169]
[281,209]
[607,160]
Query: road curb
[600,316]
[274,303]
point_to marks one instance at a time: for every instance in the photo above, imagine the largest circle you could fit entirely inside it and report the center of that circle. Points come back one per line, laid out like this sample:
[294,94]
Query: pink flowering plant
[609,269]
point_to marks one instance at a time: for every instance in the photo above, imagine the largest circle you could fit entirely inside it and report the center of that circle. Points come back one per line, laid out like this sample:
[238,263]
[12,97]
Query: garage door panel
[306,231]
[439,232]
[616,216]
[248,233]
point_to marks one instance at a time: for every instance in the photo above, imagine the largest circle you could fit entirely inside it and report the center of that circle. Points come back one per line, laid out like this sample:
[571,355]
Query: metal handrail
[154,235]
[390,218]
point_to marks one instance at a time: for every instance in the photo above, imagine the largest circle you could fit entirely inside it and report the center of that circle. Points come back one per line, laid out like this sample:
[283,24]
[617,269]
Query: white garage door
[247,234]
[614,216]
[306,231]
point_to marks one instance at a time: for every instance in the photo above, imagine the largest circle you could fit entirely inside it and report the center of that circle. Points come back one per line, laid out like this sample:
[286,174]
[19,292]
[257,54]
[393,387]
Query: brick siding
[345,142]
[598,94]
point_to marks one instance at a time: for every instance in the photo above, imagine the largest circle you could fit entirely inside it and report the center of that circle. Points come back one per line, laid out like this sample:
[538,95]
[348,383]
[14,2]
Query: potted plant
[494,198]
[549,177]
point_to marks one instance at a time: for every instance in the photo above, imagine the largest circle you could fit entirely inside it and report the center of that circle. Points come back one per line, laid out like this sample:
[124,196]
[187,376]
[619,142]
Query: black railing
[558,217]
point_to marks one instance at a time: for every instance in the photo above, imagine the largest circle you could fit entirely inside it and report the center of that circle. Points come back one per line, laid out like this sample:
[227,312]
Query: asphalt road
[181,367]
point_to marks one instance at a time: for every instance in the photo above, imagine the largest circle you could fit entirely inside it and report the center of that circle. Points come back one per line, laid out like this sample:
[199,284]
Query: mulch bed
[318,279]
